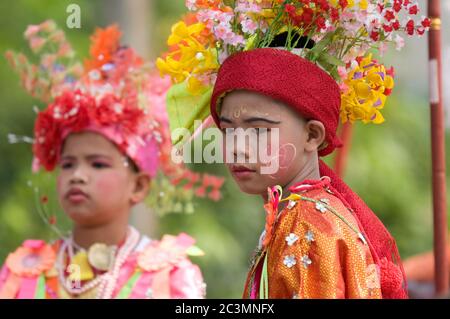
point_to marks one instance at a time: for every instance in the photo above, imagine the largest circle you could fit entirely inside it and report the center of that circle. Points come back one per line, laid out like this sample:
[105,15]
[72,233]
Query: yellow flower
[365,94]
[172,68]
[190,58]
[195,86]
[180,32]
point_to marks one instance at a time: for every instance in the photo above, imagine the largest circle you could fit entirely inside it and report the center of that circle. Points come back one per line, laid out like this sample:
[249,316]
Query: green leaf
[184,108]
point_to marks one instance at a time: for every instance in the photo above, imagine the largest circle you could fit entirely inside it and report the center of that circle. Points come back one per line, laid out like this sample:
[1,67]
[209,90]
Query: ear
[140,188]
[316,135]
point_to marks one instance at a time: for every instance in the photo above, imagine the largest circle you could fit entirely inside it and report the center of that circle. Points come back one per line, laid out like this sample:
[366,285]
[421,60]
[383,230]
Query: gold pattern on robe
[331,259]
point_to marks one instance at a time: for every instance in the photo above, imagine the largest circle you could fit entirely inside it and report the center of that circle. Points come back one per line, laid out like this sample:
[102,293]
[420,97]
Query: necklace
[106,281]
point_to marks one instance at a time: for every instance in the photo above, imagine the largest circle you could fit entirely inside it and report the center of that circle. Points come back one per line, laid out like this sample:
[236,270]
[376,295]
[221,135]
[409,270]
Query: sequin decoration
[291,204]
[321,207]
[306,261]
[289,261]
[291,239]
[309,236]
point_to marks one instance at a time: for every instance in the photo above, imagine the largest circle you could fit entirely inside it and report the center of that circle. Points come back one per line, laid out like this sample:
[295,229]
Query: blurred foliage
[389,165]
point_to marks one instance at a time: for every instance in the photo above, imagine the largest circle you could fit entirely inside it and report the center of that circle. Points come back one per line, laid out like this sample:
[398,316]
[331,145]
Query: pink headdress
[115,94]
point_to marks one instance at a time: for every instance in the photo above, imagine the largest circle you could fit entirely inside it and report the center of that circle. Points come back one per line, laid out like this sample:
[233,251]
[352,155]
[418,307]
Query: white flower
[291,239]
[309,236]
[289,261]
[306,261]
[321,207]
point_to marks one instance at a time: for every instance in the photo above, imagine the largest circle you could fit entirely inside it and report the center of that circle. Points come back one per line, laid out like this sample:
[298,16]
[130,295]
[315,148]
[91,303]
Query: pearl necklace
[106,281]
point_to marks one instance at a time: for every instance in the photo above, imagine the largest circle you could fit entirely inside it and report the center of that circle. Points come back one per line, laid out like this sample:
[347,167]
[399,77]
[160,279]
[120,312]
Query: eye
[66,165]
[100,165]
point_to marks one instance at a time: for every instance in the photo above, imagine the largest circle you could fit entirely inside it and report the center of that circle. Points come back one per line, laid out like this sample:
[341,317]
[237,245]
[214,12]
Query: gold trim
[435,24]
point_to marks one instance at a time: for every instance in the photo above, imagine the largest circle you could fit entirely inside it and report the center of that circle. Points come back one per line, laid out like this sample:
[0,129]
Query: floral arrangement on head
[337,35]
[113,92]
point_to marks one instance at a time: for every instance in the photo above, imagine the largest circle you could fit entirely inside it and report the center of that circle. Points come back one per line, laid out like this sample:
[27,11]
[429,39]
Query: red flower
[413,9]
[343,3]
[334,14]
[387,28]
[396,25]
[389,15]
[374,35]
[307,16]
[391,71]
[47,134]
[320,22]
[289,8]
[109,110]
[426,23]
[323,4]
[410,27]
[71,109]
[397,6]
[52,220]
[420,30]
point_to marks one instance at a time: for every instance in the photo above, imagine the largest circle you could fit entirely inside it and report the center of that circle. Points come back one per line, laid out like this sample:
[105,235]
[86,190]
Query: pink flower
[399,42]
[382,48]
[249,26]
[36,43]
[34,244]
[31,259]
[31,31]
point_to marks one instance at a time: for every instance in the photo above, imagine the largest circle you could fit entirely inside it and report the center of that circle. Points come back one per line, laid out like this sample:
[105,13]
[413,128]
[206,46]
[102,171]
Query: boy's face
[245,109]
[95,183]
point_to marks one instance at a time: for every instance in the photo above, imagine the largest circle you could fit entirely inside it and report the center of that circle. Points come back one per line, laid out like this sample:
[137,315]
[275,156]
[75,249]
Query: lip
[242,172]
[76,195]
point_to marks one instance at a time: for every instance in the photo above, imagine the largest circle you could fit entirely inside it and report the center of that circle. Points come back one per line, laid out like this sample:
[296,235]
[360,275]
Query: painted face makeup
[94,181]
[264,116]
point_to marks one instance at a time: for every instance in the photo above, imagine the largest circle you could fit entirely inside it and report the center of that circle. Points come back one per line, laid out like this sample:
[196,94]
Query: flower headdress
[115,93]
[336,35]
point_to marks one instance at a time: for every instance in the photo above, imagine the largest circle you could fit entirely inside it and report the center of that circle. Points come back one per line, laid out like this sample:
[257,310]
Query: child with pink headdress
[106,134]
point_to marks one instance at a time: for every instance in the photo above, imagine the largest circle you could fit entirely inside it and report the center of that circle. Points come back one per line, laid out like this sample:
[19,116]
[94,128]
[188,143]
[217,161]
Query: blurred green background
[389,165]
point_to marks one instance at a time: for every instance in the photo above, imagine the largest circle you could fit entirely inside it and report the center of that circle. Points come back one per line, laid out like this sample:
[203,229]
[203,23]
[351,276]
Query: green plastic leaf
[184,108]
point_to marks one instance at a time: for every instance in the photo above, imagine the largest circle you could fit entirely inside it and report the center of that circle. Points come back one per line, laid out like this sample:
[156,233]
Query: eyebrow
[260,119]
[250,120]
[224,119]
[89,157]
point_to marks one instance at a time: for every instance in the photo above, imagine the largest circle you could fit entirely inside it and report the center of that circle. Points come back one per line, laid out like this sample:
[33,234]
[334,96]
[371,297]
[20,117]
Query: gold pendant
[82,270]
[100,256]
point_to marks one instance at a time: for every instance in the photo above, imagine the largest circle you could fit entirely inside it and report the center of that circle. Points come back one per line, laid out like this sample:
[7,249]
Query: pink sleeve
[3,275]
[186,282]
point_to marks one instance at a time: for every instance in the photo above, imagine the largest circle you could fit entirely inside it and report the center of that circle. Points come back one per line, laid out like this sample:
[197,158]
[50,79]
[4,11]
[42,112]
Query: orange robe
[315,250]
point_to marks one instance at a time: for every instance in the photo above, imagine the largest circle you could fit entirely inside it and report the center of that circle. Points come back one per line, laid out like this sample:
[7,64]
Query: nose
[241,147]
[79,176]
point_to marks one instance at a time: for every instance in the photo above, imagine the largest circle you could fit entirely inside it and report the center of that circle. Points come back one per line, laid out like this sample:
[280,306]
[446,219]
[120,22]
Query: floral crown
[114,93]
[336,35]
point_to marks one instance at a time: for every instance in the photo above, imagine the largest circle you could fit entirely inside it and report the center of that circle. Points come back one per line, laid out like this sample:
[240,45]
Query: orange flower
[105,43]
[31,259]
